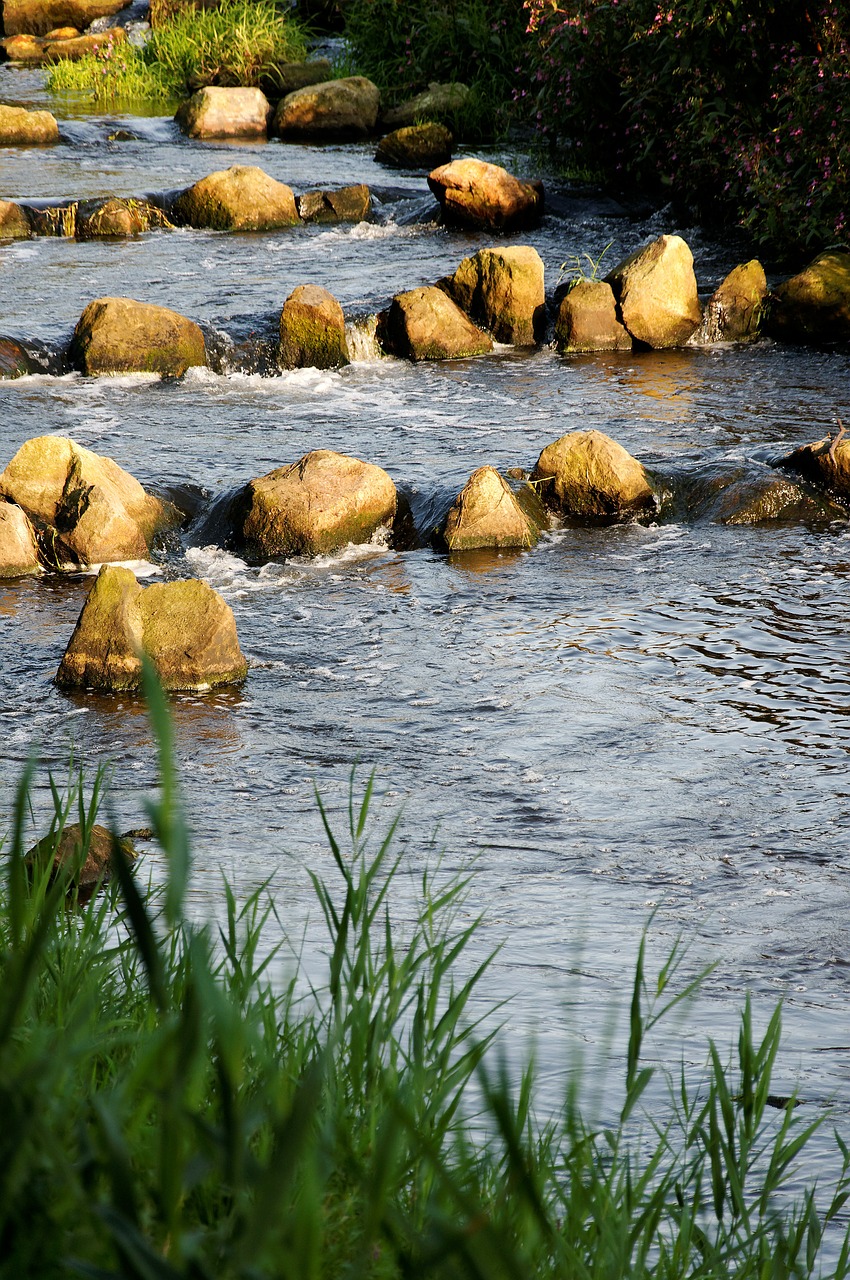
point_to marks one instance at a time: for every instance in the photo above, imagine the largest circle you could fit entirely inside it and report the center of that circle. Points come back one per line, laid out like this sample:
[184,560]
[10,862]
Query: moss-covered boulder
[120,335]
[285,77]
[825,463]
[38,17]
[344,204]
[14,223]
[346,108]
[241,198]
[486,513]
[314,506]
[85,860]
[473,193]
[90,510]
[438,102]
[503,290]
[217,112]
[416,146]
[22,128]
[771,499]
[18,547]
[587,320]
[589,476]
[814,305]
[118,217]
[312,330]
[185,627]
[735,310]
[656,291]
[424,324]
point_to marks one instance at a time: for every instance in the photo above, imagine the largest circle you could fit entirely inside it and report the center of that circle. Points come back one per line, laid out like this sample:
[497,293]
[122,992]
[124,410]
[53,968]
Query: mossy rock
[656,292]
[587,320]
[344,204]
[503,290]
[22,128]
[119,218]
[814,305]
[416,146]
[120,335]
[14,223]
[425,324]
[18,546]
[312,330]
[736,309]
[86,859]
[241,198]
[345,108]
[588,476]
[486,513]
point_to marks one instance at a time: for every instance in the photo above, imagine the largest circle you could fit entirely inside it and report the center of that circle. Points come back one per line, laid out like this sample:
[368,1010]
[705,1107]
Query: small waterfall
[361,338]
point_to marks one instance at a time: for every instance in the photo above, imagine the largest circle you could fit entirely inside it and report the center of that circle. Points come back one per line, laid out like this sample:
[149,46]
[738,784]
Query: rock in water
[424,324]
[64,851]
[14,223]
[417,146]
[656,291]
[486,514]
[814,305]
[18,548]
[473,193]
[735,310]
[38,17]
[825,462]
[314,506]
[503,290]
[120,335]
[345,204]
[241,198]
[312,330]
[22,128]
[587,320]
[346,108]
[117,217]
[185,627]
[216,112]
[587,475]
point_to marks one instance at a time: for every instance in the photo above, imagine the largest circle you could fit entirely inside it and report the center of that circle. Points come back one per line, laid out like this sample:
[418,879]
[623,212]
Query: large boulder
[344,204]
[503,290]
[22,128]
[416,146]
[814,305]
[656,290]
[346,108]
[314,506]
[119,335]
[437,102]
[473,193]
[825,463]
[14,223]
[486,513]
[185,627]
[424,324]
[85,859]
[18,547]
[241,198]
[735,310]
[39,17]
[216,112]
[312,330]
[587,475]
[90,509]
[118,217]
[587,320]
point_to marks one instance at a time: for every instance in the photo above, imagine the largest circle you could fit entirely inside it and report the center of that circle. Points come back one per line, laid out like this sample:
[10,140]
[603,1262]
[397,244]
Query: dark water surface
[622,721]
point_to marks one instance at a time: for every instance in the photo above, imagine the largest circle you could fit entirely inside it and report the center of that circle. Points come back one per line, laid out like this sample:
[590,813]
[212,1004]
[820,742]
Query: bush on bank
[173,1110]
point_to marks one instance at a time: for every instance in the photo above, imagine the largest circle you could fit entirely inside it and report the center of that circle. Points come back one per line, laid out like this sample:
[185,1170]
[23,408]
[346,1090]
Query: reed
[172,1111]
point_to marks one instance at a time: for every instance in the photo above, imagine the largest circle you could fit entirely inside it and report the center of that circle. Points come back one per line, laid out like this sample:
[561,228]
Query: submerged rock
[185,627]
[241,198]
[312,330]
[86,861]
[735,310]
[215,112]
[437,102]
[424,324]
[18,547]
[22,128]
[587,320]
[345,204]
[473,193]
[14,223]
[770,500]
[314,506]
[656,290]
[346,108]
[120,335]
[118,217]
[503,290]
[814,305]
[589,476]
[38,17]
[416,146]
[486,513]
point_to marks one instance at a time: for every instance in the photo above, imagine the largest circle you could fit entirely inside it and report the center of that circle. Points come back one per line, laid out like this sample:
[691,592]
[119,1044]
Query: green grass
[172,1109]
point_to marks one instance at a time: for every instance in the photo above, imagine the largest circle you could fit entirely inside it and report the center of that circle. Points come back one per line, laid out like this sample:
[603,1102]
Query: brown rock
[473,193]
[503,290]
[62,33]
[424,324]
[37,17]
[589,476]
[116,217]
[487,514]
[346,108]
[22,128]
[216,112]
[18,548]
[345,204]
[14,223]
[416,146]
[82,46]
[316,505]
[656,291]
[289,76]
[55,220]
[312,330]
[16,361]
[825,463]
[814,305]
[771,500]
[22,48]
[86,860]
[587,320]
[241,198]
[437,102]
[120,335]
[734,311]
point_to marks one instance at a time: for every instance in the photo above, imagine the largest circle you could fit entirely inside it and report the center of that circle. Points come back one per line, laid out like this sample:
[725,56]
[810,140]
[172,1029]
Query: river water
[623,721]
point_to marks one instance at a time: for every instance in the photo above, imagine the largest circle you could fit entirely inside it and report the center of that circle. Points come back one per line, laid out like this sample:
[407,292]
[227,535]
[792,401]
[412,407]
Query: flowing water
[622,721]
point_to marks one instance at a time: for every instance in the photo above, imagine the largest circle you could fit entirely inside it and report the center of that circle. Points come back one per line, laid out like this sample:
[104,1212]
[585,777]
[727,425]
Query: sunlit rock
[312,330]
[825,463]
[346,108]
[589,476]
[486,513]
[86,861]
[217,112]
[473,193]
[120,335]
[22,128]
[38,17]
[14,223]
[241,198]
[735,310]
[344,204]
[424,324]
[18,547]
[656,291]
[118,217]
[502,290]
[587,320]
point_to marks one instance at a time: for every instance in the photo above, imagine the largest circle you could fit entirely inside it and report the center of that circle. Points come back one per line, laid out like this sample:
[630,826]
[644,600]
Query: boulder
[503,290]
[314,506]
[22,48]
[656,291]
[241,198]
[286,77]
[92,510]
[82,46]
[345,108]
[814,305]
[416,146]
[472,193]
[587,320]
[312,330]
[18,547]
[62,33]
[118,217]
[424,324]
[770,500]
[14,223]
[185,627]
[589,476]
[86,861]
[38,17]
[437,102]
[22,128]
[119,335]
[825,463]
[16,361]
[225,113]
[345,204]
[734,311]
[487,514]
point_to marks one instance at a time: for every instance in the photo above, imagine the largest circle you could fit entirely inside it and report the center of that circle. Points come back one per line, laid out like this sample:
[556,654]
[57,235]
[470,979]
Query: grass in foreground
[171,1112]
